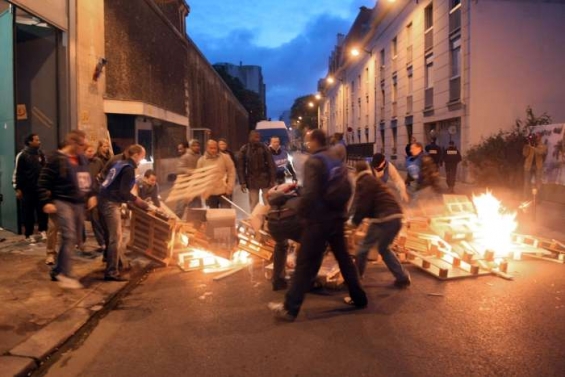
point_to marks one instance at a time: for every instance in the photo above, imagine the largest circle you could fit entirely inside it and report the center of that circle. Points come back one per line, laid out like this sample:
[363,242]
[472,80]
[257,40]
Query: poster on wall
[553,136]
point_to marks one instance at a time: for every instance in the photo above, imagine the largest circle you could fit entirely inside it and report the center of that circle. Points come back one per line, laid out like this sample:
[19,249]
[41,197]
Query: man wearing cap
[385,171]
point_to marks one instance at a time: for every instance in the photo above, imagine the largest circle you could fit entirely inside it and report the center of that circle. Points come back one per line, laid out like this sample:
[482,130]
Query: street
[184,324]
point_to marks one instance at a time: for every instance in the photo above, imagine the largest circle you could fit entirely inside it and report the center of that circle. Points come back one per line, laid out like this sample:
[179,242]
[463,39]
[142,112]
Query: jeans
[110,211]
[382,235]
[70,218]
[282,231]
[254,197]
[31,208]
[98,227]
[52,233]
[309,259]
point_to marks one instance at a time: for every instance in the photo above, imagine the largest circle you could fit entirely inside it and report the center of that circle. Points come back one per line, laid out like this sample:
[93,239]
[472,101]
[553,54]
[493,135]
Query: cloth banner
[553,136]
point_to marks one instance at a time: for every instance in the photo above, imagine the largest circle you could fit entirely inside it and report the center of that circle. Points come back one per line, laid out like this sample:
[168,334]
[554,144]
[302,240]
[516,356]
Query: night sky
[291,39]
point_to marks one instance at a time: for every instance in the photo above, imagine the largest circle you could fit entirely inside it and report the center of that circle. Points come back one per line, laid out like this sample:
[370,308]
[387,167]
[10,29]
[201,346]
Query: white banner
[553,135]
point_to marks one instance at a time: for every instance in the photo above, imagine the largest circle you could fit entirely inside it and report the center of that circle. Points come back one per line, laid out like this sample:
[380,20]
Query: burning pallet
[456,245]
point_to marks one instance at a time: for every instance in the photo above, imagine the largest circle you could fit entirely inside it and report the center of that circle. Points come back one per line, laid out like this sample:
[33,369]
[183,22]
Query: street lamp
[356,52]
[310,104]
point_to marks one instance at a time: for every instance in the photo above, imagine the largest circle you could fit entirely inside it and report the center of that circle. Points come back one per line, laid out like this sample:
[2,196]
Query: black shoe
[53,274]
[115,278]
[402,284]
[279,285]
[349,301]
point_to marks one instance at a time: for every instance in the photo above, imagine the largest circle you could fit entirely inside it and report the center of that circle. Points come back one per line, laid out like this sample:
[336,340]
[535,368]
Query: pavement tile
[16,366]
[43,342]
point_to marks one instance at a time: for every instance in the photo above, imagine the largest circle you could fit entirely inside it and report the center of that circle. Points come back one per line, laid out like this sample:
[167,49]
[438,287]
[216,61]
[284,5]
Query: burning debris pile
[470,239]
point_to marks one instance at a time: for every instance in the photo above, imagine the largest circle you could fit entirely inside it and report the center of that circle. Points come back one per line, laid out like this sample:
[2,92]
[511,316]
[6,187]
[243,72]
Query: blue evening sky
[291,39]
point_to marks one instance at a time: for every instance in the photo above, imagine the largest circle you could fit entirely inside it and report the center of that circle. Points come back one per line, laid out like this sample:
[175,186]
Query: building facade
[118,69]
[456,70]
[251,76]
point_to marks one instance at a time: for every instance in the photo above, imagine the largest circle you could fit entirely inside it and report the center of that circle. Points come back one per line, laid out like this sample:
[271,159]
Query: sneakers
[280,313]
[43,235]
[50,260]
[402,284]
[67,282]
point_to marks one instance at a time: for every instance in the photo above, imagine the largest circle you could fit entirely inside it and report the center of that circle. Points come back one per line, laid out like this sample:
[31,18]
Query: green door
[8,206]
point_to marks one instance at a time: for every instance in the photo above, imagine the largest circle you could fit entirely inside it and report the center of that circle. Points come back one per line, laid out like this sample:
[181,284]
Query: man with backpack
[323,208]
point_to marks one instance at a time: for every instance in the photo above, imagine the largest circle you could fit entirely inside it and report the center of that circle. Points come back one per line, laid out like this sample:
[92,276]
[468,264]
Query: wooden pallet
[541,248]
[445,267]
[151,236]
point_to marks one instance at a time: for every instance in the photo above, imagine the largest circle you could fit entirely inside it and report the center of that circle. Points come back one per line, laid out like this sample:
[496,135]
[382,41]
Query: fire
[198,259]
[495,225]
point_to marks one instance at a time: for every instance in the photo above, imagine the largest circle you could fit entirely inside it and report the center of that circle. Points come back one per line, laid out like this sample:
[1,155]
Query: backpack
[338,188]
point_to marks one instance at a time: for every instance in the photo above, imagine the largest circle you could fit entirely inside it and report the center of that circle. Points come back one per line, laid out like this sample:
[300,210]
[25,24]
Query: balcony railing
[455,20]
[429,39]
[429,98]
[455,89]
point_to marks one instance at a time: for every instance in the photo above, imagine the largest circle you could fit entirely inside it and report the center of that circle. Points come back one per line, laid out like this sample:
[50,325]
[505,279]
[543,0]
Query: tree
[497,160]
[303,112]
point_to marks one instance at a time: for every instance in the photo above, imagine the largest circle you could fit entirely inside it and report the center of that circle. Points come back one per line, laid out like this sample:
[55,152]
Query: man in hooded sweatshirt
[224,174]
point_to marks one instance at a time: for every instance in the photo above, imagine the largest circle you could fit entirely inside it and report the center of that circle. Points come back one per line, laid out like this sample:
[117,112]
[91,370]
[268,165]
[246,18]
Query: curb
[39,350]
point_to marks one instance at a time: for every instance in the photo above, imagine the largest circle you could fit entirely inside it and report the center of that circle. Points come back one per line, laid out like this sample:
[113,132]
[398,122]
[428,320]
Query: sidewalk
[36,315]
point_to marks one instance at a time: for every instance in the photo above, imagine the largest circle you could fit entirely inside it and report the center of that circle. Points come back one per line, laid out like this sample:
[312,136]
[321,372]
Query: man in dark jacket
[28,167]
[451,158]
[64,187]
[323,224]
[434,151]
[115,190]
[255,169]
[374,201]
[284,225]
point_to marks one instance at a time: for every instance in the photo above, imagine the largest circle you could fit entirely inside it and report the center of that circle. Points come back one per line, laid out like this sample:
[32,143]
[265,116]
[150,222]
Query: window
[454,3]
[428,17]
[393,47]
[410,80]
[429,73]
[394,128]
[382,58]
[409,34]
[394,88]
[455,57]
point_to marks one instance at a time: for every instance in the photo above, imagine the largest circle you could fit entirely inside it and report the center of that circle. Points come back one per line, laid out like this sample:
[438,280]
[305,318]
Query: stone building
[123,69]
[452,69]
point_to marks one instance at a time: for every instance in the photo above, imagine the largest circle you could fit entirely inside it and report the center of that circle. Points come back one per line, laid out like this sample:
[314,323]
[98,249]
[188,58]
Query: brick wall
[145,55]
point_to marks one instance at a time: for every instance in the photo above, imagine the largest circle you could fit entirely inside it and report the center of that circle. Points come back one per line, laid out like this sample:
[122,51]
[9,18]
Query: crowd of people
[82,181]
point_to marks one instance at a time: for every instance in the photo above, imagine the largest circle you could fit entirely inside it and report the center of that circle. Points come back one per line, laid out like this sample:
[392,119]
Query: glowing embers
[197,259]
[494,226]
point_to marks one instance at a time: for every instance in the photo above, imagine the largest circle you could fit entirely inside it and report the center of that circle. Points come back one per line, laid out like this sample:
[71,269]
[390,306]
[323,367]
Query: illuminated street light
[318,96]
[300,118]
[330,80]
[355,51]
[311,104]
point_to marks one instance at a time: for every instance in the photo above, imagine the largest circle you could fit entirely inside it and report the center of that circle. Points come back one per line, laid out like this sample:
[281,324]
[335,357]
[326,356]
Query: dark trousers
[282,231]
[216,201]
[312,246]
[450,174]
[31,209]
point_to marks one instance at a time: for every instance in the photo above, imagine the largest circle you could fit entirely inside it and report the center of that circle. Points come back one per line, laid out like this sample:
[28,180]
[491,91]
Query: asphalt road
[185,324]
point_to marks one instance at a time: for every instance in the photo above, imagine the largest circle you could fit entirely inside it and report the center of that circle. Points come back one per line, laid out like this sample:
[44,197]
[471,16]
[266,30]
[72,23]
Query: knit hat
[377,160]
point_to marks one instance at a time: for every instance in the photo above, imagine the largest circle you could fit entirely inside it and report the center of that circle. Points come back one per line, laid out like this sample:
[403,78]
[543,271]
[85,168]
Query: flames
[208,262]
[495,225]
